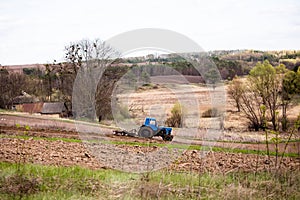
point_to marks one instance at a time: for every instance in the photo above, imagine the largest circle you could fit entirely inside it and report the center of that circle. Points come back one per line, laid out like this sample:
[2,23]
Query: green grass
[26,137]
[81,183]
[241,142]
[200,148]
[3,111]
[64,182]
[235,150]
[168,145]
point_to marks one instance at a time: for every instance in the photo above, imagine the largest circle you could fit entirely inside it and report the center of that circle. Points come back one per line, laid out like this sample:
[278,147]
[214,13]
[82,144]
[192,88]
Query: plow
[149,129]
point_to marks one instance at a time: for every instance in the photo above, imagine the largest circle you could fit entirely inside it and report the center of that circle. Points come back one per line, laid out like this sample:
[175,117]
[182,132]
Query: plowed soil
[44,144]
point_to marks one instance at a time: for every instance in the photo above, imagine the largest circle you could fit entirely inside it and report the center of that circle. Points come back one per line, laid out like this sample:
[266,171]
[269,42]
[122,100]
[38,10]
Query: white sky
[36,31]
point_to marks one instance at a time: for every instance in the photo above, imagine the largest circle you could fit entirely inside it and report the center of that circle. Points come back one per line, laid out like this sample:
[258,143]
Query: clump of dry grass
[212,112]
[19,185]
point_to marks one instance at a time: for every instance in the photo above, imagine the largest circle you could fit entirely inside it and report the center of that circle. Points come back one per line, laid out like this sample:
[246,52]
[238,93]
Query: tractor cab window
[153,122]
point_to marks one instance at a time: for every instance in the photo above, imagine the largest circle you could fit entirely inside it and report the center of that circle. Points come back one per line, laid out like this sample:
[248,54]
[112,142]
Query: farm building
[29,107]
[53,109]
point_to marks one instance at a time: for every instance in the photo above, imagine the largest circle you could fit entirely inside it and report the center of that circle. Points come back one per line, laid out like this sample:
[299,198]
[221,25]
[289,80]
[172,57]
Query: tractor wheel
[168,138]
[146,132]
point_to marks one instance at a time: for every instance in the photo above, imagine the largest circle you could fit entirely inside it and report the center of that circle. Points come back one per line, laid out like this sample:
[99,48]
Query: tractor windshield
[153,122]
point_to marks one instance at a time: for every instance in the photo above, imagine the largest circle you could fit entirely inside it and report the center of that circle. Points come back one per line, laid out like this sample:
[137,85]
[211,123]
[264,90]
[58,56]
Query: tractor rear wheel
[168,138]
[146,132]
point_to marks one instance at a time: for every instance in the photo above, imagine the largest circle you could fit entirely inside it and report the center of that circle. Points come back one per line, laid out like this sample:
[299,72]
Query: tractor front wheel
[146,132]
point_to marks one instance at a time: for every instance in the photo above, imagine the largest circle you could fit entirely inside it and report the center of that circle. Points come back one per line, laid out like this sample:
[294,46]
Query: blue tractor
[150,129]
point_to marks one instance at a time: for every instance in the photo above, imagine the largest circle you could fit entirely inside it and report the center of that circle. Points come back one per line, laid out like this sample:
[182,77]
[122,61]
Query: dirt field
[46,144]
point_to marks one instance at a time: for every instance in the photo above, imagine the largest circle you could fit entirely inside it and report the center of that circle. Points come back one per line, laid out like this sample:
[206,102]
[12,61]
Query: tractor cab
[151,122]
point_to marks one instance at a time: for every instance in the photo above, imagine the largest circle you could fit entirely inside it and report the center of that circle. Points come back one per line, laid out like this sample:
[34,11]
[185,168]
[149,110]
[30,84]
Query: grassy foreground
[28,181]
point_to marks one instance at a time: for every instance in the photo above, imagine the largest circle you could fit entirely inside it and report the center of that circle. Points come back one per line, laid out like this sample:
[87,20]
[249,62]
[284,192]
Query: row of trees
[266,93]
[227,69]
[11,85]
[55,82]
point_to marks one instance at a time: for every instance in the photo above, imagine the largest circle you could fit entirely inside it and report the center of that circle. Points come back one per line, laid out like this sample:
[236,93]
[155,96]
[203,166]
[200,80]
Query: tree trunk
[238,107]
[284,117]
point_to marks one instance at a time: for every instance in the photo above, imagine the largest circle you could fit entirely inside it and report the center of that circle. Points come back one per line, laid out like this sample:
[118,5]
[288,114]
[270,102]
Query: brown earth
[40,149]
[43,127]
[59,153]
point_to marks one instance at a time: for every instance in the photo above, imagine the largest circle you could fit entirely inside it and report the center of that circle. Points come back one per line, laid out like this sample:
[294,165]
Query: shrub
[175,119]
[211,112]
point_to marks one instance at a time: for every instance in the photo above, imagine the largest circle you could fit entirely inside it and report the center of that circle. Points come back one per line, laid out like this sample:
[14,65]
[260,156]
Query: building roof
[53,108]
[25,98]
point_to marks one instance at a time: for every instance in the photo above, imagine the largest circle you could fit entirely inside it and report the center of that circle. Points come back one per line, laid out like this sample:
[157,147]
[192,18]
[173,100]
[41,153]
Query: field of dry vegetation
[215,153]
[44,158]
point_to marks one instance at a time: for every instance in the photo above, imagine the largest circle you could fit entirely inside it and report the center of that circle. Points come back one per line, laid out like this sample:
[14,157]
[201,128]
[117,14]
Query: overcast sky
[36,31]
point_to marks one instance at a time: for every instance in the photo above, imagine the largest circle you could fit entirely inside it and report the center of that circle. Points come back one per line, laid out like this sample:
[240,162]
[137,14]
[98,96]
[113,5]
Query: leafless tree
[4,87]
[250,105]
[89,59]
[235,91]
[11,85]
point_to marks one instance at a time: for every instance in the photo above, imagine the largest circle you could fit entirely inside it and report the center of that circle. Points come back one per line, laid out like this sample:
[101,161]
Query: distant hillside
[20,68]
[240,61]
[249,58]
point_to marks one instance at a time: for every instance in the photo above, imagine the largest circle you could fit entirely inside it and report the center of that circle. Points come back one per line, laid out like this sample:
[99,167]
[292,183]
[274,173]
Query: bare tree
[50,76]
[89,54]
[250,105]
[4,87]
[235,90]
[89,59]
[11,86]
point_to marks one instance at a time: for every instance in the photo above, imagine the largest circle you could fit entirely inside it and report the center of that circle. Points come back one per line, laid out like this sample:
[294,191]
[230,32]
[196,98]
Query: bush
[122,112]
[211,112]
[175,119]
